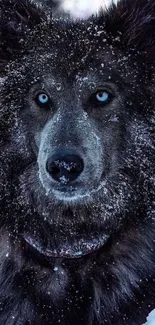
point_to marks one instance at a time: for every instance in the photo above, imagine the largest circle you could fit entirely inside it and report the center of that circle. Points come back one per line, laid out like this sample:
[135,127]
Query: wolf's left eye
[43,100]
[101,97]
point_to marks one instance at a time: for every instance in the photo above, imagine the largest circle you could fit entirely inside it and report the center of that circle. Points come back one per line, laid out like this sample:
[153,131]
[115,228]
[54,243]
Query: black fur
[114,285]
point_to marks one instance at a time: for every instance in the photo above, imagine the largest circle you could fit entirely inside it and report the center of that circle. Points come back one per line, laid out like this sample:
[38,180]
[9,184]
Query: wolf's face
[75,123]
[82,129]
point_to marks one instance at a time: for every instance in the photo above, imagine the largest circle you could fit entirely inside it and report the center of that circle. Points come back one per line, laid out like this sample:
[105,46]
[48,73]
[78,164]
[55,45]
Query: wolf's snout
[65,166]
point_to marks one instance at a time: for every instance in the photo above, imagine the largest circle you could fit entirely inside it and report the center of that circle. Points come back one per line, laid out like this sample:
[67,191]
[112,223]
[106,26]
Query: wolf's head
[76,122]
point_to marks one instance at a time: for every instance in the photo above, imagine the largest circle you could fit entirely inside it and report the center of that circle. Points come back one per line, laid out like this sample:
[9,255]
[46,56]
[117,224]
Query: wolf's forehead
[71,39]
[77,78]
[54,62]
[68,56]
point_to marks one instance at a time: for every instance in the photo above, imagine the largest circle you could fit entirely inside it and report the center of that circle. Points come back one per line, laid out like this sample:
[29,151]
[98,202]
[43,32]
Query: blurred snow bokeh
[85,8]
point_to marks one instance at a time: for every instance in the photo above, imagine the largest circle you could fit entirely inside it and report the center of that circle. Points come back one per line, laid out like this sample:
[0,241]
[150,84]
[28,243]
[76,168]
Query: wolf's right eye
[43,100]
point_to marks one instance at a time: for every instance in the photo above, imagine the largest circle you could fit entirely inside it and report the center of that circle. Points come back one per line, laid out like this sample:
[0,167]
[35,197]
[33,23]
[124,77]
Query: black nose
[64,167]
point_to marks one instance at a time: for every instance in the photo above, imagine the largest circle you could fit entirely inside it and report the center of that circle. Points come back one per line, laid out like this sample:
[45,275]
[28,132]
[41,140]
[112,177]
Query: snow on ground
[85,8]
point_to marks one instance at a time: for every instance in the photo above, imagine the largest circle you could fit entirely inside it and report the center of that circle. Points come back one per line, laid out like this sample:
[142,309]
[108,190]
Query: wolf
[77,199]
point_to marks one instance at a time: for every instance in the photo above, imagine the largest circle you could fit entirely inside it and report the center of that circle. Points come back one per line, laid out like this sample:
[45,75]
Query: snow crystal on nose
[68,166]
[63,179]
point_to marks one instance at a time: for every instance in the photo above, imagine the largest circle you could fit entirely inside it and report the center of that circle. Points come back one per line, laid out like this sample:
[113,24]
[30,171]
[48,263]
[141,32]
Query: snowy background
[84,8]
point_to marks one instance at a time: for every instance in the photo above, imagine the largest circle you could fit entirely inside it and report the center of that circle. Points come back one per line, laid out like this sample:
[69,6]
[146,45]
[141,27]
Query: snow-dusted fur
[107,215]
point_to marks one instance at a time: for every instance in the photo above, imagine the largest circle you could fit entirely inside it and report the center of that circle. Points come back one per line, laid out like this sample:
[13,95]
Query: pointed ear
[135,20]
[140,26]
[18,17]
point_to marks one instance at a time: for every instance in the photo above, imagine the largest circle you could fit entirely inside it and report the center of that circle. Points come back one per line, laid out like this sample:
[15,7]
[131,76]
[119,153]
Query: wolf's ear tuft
[135,20]
[140,25]
[17,17]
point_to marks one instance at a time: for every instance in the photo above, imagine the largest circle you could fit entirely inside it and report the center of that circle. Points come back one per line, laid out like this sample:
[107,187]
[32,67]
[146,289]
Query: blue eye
[102,96]
[43,98]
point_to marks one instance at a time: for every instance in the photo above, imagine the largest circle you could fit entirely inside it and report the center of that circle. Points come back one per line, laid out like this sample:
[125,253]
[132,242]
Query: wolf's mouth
[77,248]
